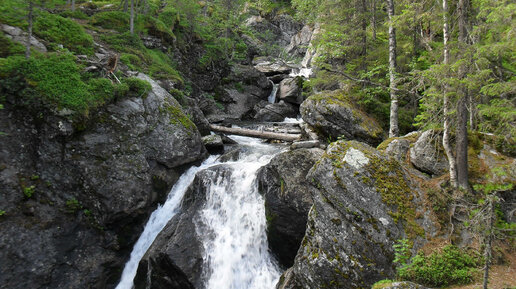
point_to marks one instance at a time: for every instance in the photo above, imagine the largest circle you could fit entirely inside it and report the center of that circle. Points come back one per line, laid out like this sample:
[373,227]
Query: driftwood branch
[255,133]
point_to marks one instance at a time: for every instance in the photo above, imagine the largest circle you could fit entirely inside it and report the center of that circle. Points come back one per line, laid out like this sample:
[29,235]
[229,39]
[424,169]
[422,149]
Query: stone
[427,154]
[276,112]
[364,202]
[334,115]
[287,200]
[271,66]
[305,144]
[213,143]
[18,35]
[300,41]
[94,187]
[290,90]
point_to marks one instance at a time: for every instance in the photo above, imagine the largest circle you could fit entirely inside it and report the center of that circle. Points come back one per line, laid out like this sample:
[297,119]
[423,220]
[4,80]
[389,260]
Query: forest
[105,105]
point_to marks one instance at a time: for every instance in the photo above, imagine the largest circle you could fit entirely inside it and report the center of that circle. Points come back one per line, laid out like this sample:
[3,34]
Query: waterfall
[232,228]
[231,225]
[157,221]
[272,96]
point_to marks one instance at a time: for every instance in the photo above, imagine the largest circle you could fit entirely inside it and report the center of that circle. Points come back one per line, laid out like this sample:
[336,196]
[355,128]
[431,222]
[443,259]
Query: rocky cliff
[75,198]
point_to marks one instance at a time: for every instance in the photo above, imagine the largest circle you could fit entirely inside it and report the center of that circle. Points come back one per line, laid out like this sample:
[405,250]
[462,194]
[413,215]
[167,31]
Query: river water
[231,225]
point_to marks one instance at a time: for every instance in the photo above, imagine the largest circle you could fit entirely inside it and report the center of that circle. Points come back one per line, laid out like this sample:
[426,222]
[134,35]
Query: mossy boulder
[288,198]
[427,154]
[363,202]
[334,115]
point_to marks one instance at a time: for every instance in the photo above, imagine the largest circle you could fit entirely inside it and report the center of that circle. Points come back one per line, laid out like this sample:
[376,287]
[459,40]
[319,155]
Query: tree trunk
[126,5]
[374,19]
[462,106]
[255,133]
[131,19]
[462,142]
[364,34]
[488,242]
[446,102]
[73,5]
[29,34]
[393,126]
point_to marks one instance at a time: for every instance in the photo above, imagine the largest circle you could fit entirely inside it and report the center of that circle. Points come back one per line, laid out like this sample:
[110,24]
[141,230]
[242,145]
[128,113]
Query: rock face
[213,143]
[18,35]
[364,202]
[427,156]
[276,112]
[334,115]
[177,251]
[274,30]
[287,200]
[75,199]
[290,90]
[245,87]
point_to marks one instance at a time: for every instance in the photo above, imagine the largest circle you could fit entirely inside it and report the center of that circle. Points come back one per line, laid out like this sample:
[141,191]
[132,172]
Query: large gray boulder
[290,90]
[364,202]
[334,115]
[287,200]
[276,112]
[427,154]
[76,195]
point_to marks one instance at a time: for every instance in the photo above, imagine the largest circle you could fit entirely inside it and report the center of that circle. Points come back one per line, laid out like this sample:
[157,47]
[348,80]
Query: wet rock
[305,144]
[427,154]
[276,112]
[290,90]
[177,247]
[287,200]
[91,187]
[213,143]
[271,66]
[355,219]
[334,115]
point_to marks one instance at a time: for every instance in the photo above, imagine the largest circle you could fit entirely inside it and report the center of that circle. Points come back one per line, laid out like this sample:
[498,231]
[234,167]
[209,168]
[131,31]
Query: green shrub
[116,20]
[137,87]
[53,80]
[132,61]
[67,32]
[29,191]
[77,14]
[2,212]
[101,88]
[450,266]
[72,205]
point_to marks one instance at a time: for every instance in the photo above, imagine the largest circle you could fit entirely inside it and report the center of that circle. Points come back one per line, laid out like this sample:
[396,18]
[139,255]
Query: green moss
[387,176]
[60,30]
[177,117]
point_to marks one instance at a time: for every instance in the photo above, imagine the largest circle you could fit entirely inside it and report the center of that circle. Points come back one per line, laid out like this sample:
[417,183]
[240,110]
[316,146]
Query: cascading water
[231,225]
[272,96]
[157,221]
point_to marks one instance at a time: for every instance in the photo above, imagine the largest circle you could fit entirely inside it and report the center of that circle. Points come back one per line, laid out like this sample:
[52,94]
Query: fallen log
[256,133]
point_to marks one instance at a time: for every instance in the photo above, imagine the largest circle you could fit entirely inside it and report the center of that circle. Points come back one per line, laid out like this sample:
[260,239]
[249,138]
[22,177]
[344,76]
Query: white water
[272,96]
[158,219]
[231,225]
[305,72]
